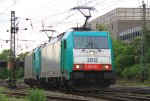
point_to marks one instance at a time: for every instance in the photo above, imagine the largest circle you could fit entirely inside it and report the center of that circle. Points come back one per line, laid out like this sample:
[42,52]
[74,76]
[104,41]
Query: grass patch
[36,95]
[134,82]
[2,88]
[4,97]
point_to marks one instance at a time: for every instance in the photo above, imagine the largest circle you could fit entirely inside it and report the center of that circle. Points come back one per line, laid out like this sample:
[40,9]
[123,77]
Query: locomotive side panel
[50,60]
[28,66]
[36,62]
[67,52]
[44,58]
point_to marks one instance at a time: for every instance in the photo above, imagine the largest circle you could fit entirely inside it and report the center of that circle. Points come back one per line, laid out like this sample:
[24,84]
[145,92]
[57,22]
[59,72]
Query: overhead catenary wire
[2,1]
[34,21]
[11,6]
[59,23]
[58,14]
[57,11]
[62,19]
[42,6]
[50,16]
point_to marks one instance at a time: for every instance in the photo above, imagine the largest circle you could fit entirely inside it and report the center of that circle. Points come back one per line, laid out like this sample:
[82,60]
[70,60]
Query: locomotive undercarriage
[92,79]
[48,83]
[79,80]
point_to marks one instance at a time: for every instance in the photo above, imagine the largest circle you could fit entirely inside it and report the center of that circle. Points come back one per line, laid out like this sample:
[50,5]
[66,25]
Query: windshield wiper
[86,46]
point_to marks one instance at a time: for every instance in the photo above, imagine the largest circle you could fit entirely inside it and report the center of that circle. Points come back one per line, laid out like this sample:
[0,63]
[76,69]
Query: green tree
[148,45]
[137,48]
[20,70]
[4,55]
[22,56]
[101,27]
[148,37]
[123,55]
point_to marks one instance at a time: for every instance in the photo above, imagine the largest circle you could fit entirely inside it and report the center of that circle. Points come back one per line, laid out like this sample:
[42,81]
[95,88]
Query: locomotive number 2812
[92,59]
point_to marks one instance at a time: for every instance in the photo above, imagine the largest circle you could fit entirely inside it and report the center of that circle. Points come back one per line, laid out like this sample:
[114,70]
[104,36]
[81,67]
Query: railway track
[49,97]
[112,93]
[99,95]
[118,94]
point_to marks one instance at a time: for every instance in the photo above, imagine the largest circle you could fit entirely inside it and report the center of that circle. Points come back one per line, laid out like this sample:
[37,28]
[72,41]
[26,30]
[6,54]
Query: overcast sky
[47,13]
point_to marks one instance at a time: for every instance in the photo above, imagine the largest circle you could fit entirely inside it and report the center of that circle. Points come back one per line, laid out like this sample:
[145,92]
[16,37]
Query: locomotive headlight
[92,53]
[77,66]
[106,67]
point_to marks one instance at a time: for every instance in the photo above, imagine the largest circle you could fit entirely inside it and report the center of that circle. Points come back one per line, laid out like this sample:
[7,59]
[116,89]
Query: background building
[120,20]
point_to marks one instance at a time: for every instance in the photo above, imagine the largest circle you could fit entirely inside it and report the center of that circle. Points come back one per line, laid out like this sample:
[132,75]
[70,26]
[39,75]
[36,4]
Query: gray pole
[143,51]
[12,60]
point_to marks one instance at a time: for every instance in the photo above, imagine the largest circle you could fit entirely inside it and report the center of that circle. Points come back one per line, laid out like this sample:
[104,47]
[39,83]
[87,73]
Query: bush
[20,73]
[144,73]
[136,72]
[37,95]
[132,72]
[3,73]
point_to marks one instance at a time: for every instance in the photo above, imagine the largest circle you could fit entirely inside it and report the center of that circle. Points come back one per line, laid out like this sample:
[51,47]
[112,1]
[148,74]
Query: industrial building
[120,20]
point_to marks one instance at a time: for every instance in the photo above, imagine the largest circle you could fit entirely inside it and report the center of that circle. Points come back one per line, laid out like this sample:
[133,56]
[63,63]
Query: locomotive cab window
[34,56]
[65,44]
[91,42]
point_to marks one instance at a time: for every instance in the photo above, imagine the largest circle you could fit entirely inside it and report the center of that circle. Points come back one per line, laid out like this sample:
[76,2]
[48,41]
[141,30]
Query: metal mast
[144,40]
[12,57]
